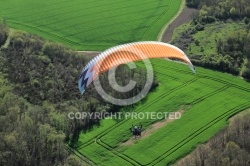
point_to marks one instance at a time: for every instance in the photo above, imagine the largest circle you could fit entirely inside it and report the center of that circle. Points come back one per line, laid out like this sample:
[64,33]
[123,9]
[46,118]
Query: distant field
[90,24]
[208,98]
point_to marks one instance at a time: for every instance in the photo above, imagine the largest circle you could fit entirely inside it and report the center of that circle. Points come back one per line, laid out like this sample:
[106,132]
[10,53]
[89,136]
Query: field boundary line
[156,20]
[194,102]
[143,107]
[162,95]
[230,113]
[115,152]
[165,27]
[202,75]
[80,156]
[44,32]
[227,84]
[110,148]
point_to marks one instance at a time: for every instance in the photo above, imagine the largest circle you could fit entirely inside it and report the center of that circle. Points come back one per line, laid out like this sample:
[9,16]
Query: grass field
[90,24]
[210,98]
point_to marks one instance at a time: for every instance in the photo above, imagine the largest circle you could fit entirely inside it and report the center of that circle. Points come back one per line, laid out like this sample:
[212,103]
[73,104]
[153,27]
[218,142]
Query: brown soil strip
[150,130]
[185,16]
[89,53]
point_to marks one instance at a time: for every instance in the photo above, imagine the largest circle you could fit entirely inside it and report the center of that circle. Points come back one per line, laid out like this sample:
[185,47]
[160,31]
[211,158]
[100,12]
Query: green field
[90,24]
[209,99]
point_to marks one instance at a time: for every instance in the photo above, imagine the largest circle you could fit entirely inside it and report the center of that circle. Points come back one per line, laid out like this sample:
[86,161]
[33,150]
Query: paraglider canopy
[125,53]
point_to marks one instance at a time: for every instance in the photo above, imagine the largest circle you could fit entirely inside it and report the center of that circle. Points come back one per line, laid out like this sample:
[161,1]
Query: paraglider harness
[136,130]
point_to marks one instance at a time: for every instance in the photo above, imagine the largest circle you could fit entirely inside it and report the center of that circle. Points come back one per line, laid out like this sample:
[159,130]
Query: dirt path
[150,130]
[89,53]
[7,42]
[186,15]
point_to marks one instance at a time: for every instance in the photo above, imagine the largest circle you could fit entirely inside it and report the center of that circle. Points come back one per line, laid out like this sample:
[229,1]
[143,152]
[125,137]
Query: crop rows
[196,133]
[142,108]
[87,25]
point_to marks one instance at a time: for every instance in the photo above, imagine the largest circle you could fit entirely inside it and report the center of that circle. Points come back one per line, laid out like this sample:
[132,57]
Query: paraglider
[126,53]
[136,130]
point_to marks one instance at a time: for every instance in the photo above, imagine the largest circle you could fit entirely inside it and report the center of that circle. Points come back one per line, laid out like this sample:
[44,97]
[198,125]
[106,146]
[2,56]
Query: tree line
[221,9]
[233,53]
[38,89]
